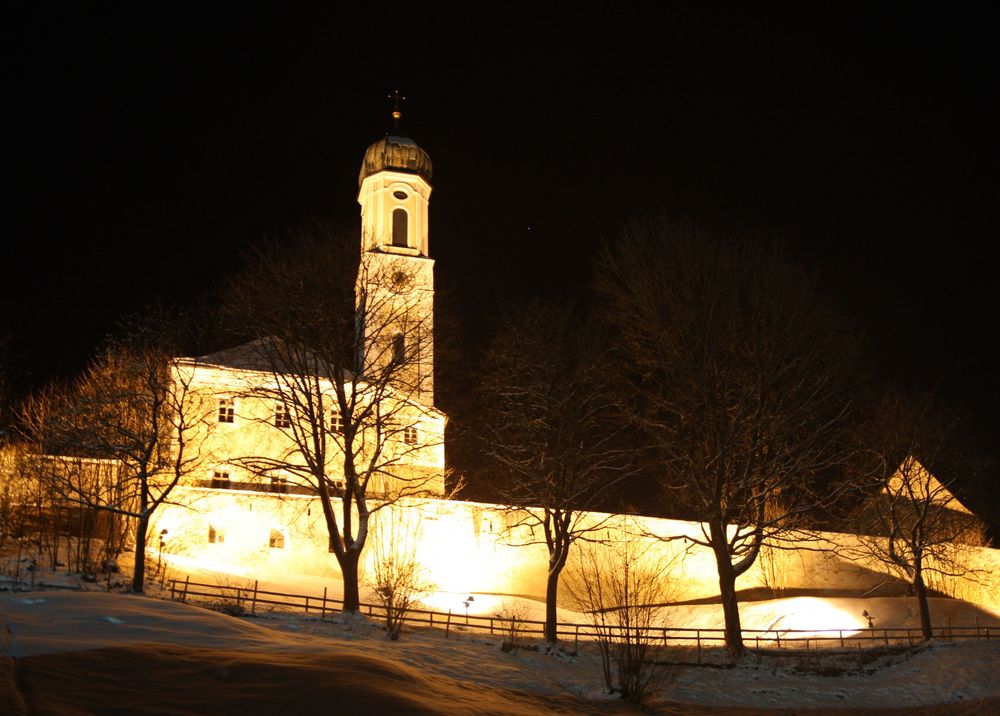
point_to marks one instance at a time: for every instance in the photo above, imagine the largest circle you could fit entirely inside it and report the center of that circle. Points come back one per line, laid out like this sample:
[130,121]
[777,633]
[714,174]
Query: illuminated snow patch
[809,617]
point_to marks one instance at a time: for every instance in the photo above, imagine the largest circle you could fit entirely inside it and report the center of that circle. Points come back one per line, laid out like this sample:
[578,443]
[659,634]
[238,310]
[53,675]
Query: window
[277,540]
[282,416]
[227,410]
[336,421]
[410,435]
[220,480]
[399,348]
[279,483]
[399,227]
[215,536]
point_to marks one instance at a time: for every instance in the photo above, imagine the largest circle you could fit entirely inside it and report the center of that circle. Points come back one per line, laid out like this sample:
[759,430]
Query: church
[254,506]
[275,422]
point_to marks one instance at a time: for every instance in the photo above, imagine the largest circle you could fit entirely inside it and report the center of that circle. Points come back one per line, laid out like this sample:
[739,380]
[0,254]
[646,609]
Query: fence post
[173,584]
[187,581]
[253,604]
[698,637]
[841,638]
[447,625]
[885,633]
[576,640]
[322,610]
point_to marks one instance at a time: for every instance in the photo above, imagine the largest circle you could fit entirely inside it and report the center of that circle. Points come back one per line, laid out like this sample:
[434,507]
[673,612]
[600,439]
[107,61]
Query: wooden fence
[246,599]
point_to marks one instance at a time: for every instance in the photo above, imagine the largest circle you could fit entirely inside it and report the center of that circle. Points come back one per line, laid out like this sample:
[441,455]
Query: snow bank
[78,652]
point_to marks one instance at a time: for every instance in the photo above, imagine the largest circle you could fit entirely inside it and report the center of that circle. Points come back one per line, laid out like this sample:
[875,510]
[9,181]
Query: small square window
[220,480]
[215,535]
[282,416]
[279,483]
[227,410]
[336,421]
[410,435]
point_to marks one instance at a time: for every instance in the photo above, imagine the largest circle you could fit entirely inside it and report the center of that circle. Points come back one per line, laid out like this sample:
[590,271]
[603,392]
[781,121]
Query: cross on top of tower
[397,114]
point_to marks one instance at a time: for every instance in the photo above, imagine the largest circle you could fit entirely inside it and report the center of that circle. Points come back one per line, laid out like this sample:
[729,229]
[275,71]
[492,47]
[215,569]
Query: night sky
[145,149]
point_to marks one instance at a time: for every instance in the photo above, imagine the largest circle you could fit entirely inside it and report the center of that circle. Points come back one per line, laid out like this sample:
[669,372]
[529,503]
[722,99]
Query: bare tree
[18,494]
[131,406]
[343,346]
[399,580]
[913,524]
[742,380]
[621,588]
[553,429]
[58,492]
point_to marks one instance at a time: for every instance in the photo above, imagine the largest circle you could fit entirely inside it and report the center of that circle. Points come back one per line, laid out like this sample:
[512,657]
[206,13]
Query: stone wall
[469,547]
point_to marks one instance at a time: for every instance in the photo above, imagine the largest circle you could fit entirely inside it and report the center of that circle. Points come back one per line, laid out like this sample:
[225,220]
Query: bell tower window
[400,222]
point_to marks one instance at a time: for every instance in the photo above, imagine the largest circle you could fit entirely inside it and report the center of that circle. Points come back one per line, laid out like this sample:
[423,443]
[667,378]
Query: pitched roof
[923,485]
[267,355]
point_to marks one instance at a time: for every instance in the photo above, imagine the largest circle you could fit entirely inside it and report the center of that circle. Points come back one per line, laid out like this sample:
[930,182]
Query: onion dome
[399,154]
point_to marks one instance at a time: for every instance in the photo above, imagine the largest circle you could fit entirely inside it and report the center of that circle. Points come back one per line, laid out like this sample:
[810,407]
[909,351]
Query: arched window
[277,540]
[400,222]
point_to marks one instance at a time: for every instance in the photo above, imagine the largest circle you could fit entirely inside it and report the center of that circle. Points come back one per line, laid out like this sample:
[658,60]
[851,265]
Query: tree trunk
[139,574]
[924,607]
[730,605]
[551,591]
[349,571]
[559,542]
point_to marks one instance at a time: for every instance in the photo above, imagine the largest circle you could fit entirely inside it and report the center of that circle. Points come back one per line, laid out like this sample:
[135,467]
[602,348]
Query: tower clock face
[401,281]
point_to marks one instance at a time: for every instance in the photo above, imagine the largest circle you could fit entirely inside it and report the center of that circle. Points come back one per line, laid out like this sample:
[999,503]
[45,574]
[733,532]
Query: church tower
[396,280]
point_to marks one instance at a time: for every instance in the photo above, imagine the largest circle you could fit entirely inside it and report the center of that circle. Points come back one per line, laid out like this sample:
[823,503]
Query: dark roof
[266,355]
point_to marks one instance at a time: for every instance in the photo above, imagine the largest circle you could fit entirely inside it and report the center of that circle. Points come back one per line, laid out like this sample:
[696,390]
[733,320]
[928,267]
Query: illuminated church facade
[251,407]
[250,499]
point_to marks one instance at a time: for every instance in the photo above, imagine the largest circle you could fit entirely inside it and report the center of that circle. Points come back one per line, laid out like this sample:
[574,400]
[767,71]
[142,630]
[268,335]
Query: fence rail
[251,599]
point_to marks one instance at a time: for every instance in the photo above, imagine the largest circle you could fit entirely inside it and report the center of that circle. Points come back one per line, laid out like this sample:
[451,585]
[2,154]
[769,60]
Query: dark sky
[144,148]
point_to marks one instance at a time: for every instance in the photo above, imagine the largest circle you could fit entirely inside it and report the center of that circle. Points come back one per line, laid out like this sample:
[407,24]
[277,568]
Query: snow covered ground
[65,652]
